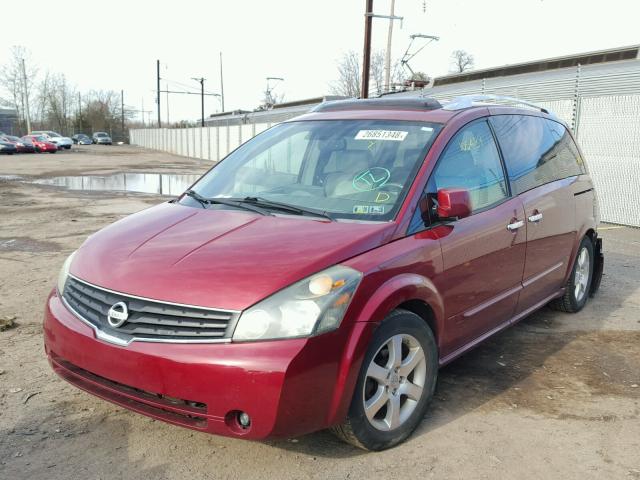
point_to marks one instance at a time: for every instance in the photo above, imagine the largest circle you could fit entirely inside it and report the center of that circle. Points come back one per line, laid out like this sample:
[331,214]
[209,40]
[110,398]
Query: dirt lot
[556,396]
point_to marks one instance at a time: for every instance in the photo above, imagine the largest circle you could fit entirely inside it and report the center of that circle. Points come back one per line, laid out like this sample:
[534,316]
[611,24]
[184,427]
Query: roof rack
[468,101]
[407,103]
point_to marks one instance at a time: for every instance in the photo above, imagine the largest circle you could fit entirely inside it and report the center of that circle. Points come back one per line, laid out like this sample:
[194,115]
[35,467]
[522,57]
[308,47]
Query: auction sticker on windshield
[389,135]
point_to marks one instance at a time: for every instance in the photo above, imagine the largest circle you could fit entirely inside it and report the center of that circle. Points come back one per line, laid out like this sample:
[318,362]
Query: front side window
[471,162]
[350,169]
[536,150]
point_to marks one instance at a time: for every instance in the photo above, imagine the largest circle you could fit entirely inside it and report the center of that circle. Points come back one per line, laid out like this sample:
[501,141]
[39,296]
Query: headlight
[64,273]
[309,307]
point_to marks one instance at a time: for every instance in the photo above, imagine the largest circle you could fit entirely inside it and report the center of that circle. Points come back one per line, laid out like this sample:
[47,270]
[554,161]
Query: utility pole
[201,81]
[142,111]
[168,118]
[158,91]
[366,57]
[221,84]
[124,136]
[26,96]
[79,112]
[387,59]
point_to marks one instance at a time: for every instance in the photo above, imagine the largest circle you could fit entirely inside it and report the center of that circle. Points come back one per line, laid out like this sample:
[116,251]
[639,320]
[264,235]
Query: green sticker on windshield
[361,209]
[371,179]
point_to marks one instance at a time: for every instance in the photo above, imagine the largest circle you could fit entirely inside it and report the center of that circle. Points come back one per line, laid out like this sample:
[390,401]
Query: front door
[483,254]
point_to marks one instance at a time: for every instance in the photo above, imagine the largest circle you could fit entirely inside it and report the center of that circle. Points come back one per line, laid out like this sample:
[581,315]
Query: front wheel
[396,383]
[579,284]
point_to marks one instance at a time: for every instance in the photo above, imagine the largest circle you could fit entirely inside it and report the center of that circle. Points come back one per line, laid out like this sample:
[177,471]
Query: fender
[387,297]
[400,289]
[589,223]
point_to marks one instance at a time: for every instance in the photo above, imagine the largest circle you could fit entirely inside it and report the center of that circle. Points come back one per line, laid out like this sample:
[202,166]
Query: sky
[114,45]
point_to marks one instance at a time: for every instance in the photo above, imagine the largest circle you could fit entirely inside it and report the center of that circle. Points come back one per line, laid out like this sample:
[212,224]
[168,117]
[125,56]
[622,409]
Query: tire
[578,285]
[377,431]
[55,151]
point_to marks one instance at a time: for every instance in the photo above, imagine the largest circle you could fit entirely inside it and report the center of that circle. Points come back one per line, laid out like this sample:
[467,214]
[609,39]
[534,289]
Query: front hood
[217,258]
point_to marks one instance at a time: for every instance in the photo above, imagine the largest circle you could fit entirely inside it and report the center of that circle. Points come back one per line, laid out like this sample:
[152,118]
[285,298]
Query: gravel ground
[556,396]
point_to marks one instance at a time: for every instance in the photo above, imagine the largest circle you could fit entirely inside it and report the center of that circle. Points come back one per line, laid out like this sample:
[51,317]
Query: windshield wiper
[286,207]
[204,201]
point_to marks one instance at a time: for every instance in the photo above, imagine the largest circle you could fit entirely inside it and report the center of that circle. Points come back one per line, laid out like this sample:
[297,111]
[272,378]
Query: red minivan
[322,272]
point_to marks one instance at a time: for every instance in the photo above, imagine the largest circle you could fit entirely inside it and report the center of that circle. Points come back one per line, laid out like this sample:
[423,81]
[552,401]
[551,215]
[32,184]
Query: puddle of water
[157,183]
[9,178]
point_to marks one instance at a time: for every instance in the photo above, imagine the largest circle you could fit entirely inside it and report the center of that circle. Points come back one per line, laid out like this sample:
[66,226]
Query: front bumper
[288,387]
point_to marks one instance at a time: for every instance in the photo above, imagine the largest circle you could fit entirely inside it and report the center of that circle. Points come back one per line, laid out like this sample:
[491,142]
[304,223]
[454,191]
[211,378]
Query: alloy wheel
[582,274]
[394,382]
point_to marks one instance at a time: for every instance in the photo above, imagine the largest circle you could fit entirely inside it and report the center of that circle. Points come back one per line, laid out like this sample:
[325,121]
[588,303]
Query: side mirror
[453,203]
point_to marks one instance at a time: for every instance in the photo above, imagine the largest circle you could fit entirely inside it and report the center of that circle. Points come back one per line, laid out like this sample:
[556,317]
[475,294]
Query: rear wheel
[396,382]
[579,284]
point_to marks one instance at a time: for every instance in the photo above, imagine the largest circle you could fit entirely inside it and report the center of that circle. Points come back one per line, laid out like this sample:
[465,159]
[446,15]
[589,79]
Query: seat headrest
[352,160]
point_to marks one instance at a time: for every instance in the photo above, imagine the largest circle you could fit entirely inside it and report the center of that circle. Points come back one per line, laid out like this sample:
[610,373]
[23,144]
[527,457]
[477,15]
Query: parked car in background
[21,146]
[7,148]
[81,139]
[53,137]
[334,263]
[41,143]
[102,138]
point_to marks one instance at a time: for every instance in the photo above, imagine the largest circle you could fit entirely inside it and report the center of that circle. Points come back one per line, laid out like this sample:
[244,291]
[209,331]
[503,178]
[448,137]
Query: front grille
[148,320]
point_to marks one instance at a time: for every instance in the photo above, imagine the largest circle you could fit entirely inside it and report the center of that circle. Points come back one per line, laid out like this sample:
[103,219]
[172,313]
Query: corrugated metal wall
[600,102]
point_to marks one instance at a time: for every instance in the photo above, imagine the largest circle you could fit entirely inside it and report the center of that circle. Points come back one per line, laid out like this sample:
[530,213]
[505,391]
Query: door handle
[515,225]
[535,218]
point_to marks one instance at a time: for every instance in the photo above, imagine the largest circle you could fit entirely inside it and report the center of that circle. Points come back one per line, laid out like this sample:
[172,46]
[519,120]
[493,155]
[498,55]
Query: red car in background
[322,272]
[40,143]
[21,145]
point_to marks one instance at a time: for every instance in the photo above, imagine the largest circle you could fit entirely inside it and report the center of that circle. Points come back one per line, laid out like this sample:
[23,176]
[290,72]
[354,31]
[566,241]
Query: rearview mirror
[453,203]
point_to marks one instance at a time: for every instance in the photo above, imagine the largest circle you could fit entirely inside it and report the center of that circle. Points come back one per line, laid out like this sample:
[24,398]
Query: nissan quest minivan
[321,273]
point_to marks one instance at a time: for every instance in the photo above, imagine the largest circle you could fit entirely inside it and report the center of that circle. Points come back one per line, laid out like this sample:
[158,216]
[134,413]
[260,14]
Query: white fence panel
[609,135]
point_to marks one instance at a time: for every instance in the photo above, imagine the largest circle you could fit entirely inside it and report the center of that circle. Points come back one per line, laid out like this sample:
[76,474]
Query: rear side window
[536,150]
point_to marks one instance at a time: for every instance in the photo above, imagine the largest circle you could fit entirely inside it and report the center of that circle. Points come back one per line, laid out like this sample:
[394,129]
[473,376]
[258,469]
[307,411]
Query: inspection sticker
[388,135]
[361,209]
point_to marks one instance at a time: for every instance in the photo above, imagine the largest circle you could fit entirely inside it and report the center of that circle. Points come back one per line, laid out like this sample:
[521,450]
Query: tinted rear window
[536,150]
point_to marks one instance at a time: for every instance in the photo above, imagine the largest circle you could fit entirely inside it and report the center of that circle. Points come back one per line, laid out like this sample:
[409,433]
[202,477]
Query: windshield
[350,169]
[101,134]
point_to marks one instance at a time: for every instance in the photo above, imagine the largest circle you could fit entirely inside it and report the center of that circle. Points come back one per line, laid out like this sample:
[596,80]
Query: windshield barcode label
[389,135]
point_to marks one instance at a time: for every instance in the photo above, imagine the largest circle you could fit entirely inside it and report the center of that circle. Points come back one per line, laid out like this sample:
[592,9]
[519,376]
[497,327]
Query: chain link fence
[600,103]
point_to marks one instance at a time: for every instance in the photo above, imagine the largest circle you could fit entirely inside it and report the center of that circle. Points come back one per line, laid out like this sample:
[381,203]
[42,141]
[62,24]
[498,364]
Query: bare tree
[462,61]
[349,74]
[348,81]
[377,72]
[60,97]
[12,79]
